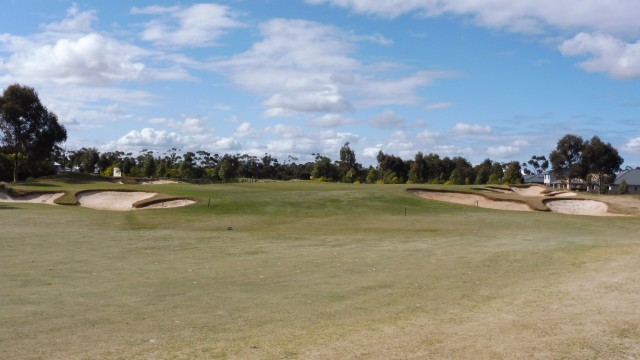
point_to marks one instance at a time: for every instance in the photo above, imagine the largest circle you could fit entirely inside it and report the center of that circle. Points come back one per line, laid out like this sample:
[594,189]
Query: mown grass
[313,271]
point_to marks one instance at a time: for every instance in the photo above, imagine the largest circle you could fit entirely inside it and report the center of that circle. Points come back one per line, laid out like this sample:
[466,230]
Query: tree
[513,174]
[85,159]
[28,129]
[566,159]
[624,188]
[539,163]
[601,159]
[347,163]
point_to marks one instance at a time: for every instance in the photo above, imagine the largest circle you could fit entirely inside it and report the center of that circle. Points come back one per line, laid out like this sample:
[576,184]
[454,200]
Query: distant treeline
[204,166]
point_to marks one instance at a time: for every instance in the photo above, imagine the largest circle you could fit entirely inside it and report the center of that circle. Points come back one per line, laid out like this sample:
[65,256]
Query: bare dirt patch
[473,200]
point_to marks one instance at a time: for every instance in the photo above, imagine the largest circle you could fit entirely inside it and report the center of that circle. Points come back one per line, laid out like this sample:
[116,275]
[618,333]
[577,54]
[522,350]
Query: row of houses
[548,178]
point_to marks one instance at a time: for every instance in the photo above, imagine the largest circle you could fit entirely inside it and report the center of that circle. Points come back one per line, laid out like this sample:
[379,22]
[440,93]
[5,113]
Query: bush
[3,186]
[624,188]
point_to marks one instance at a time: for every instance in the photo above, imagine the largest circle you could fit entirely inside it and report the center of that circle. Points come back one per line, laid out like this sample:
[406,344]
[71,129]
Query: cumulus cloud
[606,54]
[302,66]
[331,120]
[387,120]
[633,145]
[188,125]
[198,25]
[428,136]
[503,151]
[76,21]
[468,129]
[91,58]
[246,131]
[285,131]
[150,137]
[530,16]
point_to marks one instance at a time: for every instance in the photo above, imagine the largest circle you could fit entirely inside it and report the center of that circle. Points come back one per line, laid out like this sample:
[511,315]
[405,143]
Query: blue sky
[480,79]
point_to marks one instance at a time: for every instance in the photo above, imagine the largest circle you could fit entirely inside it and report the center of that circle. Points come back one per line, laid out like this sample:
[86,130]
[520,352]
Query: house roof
[534,178]
[632,177]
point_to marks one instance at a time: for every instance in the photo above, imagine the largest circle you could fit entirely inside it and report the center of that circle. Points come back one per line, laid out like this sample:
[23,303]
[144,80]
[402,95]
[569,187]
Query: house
[631,177]
[549,178]
[534,179]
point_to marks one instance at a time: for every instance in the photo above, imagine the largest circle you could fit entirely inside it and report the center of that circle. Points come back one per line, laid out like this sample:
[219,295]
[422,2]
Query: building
[631,177]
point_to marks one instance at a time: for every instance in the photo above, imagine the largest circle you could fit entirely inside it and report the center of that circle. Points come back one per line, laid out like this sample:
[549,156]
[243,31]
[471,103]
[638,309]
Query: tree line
[30,138]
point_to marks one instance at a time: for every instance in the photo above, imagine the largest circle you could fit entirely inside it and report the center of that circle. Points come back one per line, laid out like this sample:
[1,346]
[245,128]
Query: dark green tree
[566,159]
[513,174]
[601,160]
[347,163]
[29,130]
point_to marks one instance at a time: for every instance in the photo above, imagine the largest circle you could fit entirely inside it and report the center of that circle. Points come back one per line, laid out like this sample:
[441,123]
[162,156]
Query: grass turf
[313,271]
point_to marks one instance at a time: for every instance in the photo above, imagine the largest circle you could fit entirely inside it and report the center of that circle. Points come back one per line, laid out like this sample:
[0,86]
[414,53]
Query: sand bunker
[580,207]
[158,182]
[537,190]
[473,200]
[35,198]
[123,201]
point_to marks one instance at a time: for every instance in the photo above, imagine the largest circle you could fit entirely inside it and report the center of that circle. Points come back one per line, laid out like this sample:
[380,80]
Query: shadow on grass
[7,207]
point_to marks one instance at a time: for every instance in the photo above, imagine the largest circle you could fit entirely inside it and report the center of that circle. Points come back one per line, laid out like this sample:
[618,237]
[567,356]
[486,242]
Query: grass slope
[314,271]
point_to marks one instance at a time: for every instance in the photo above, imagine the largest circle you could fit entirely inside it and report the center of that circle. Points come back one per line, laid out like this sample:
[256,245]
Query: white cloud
[246,131]
[503,151]
[76,21]
[633,145]
[468,129]
[331,120]
[285,131]
[303,66]
[387,120]
[528,16]
[150,137]
[371,152]
[605,54]
[428,136]
[196,26]
[91,58]
[189,125]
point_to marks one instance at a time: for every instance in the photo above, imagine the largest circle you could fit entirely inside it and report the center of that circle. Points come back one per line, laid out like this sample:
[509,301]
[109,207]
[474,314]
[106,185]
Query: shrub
[3,185]
[624,188]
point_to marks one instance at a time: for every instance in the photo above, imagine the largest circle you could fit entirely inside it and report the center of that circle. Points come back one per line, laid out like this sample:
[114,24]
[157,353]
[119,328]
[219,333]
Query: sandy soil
[474,200]
[38,199]
[529,191]
[158,182]
[572,207]
[170,204]
[537,190]
[580,207]
[123,201]
[112,200]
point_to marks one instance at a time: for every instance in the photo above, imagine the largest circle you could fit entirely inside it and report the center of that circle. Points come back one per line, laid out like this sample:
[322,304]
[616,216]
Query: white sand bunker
[473,200]
[537,190]
[48,198]
[123,201]
[158,182]
[580,207]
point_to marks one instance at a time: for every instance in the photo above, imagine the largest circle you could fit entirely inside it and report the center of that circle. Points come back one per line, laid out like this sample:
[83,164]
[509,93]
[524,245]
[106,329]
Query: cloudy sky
[497,79]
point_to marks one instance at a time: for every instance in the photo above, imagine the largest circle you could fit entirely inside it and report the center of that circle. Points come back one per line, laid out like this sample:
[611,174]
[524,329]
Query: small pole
[209,203]
[405,211]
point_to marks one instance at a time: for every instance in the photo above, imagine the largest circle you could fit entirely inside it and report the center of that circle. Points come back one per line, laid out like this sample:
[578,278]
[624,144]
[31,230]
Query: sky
[498,79]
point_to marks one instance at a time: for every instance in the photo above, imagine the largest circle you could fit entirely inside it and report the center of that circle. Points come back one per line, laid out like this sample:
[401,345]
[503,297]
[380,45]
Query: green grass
[313,270]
